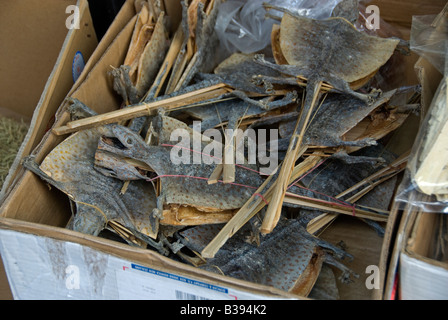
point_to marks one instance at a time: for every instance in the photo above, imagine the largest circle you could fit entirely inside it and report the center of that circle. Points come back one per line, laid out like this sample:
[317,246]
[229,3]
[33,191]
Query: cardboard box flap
[78,44]
[111,46]
[60,238]
[33,42]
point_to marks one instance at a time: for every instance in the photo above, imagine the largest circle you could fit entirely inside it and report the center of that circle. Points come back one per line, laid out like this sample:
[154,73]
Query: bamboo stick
[252,206]
[275,206]
[395,167]
[399,162]
[170,58]
[314,203]
[214,177]
[143,109]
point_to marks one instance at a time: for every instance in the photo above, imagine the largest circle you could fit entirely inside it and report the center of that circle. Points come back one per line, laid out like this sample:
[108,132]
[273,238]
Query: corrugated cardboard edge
[17,171]
[62,116]
[51,85]
[389,267]
[420,276]
[399,224]
[144,257]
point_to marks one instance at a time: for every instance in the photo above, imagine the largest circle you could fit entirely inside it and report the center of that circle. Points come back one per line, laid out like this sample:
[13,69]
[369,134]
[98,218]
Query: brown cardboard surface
[401,12]
[5,291]
[33,42]
[36,65]
[20,210]
[31,208]
[364,244]
[420,239]
[125,14]
[59,82]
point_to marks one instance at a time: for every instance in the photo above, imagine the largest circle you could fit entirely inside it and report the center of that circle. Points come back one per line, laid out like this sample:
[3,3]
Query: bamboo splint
[275,206]
[380,176]
[143,109]
[314,203]
[399,163]
[168,64]
[253,206]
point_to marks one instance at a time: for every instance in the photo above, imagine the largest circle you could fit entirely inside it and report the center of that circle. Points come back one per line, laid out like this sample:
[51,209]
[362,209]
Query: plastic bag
[308,8]
[429,35]
[242,26]
[427,170]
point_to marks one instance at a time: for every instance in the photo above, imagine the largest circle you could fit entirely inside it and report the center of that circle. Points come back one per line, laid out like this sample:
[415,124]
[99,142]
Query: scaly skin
[183,188]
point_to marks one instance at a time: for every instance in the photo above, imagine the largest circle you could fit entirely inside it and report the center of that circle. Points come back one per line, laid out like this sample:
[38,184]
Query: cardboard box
[410,271]
[413,272]
[45,260]
[420,275]
[37,56]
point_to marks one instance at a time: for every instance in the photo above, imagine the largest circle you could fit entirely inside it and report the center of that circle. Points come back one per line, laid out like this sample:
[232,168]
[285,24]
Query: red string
[209,155]
[337,203]
[200,178]
[312,169]
[262,198]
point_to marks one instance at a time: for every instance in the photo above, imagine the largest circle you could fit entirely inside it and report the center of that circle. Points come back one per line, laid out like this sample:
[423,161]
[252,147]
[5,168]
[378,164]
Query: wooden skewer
[313,203]
[214,177]
[228,172]
[234,224]
[395,167]
[253,206]
[392,167]
[143,109]
[170,58]
[275,206]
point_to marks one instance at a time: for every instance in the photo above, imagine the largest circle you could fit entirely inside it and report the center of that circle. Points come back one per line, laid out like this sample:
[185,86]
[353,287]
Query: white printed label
[147,283]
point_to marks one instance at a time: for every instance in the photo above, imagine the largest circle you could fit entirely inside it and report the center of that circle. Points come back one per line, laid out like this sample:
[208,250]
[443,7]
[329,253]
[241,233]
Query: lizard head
[120,154]
[124,142]
[119,167]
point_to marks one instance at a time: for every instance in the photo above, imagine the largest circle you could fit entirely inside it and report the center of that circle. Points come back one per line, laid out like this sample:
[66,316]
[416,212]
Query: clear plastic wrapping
[427,170]
[242,26]
[429,35]
[308,8]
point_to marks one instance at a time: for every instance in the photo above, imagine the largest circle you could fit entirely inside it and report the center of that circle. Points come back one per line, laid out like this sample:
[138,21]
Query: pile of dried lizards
[234,168]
